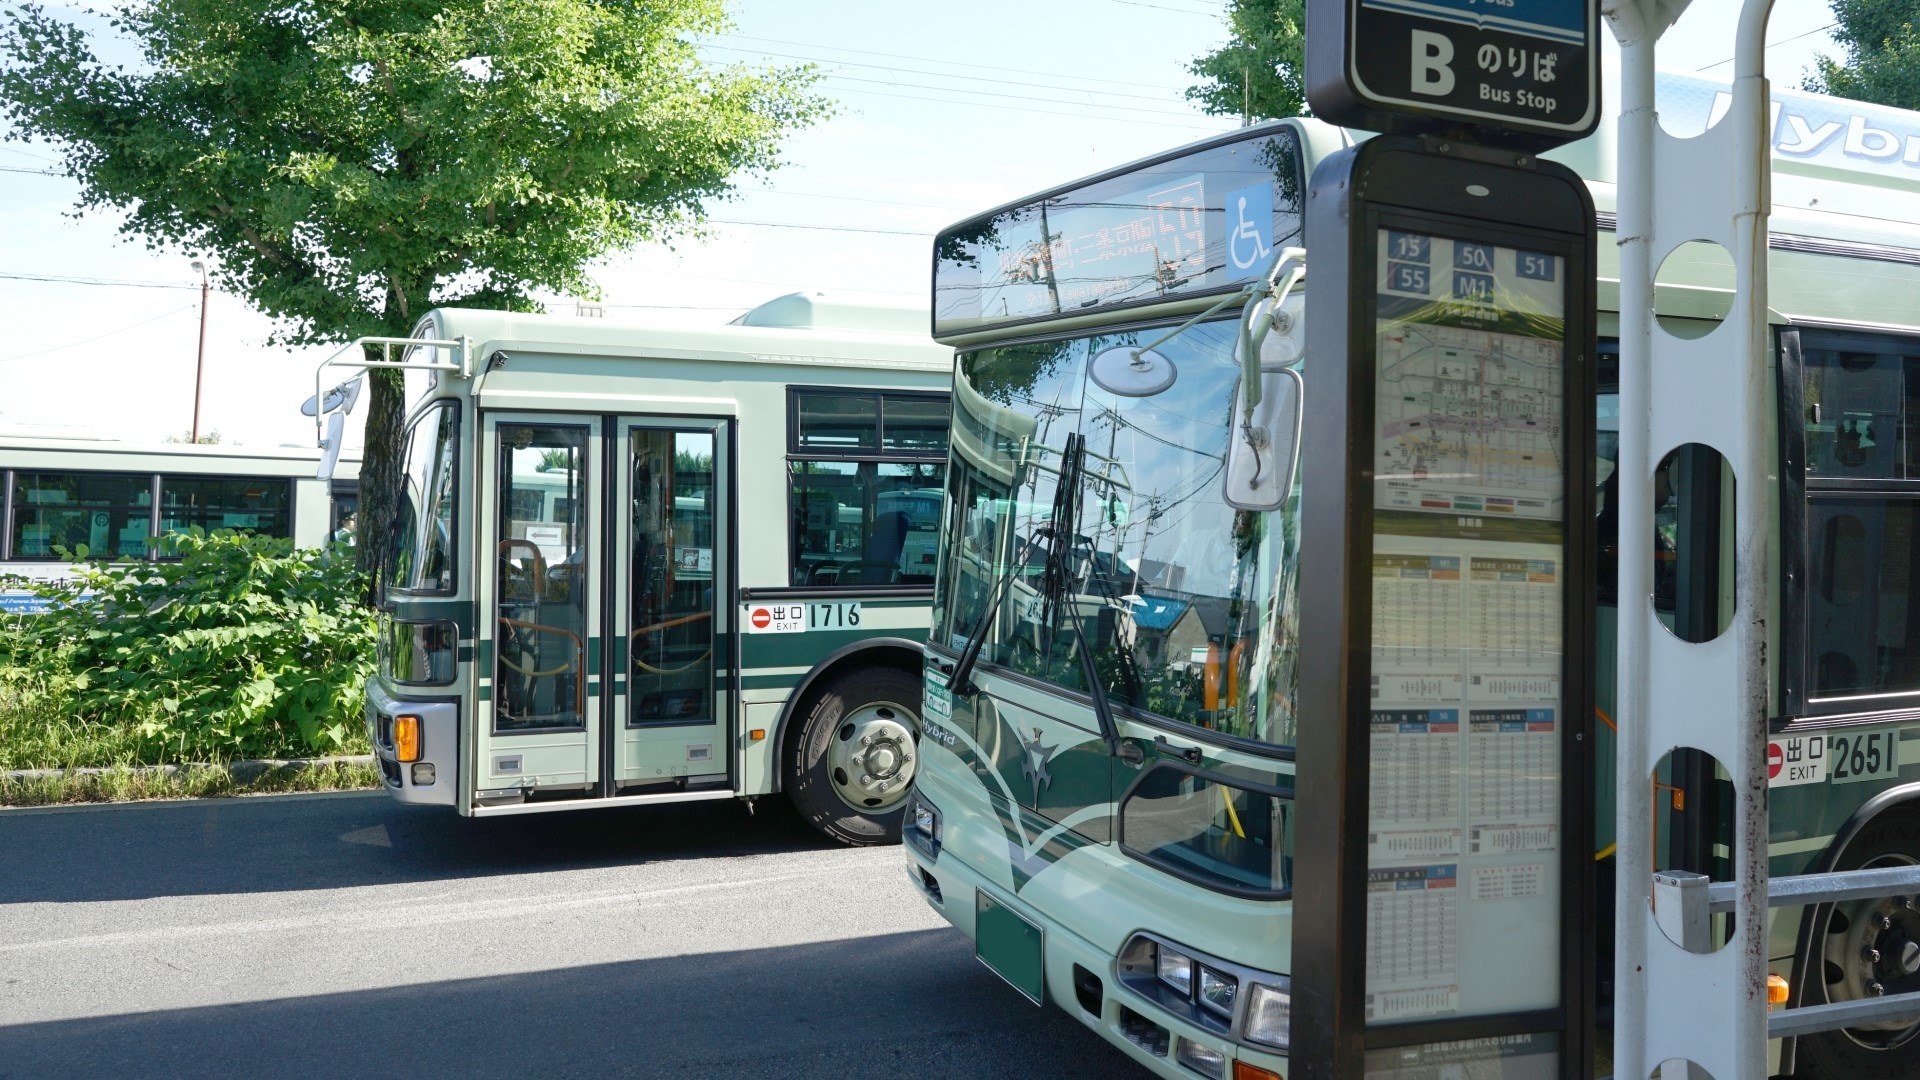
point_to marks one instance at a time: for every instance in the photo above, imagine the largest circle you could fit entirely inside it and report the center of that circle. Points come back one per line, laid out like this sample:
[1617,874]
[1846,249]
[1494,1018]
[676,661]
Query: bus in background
[637,564]
[113,500]
[1105,800]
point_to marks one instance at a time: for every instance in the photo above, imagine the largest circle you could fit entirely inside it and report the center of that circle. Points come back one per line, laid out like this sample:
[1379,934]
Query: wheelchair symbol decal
[1249,219]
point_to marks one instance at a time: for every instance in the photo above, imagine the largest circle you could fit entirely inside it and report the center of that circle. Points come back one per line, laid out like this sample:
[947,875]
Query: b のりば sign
[1525,72]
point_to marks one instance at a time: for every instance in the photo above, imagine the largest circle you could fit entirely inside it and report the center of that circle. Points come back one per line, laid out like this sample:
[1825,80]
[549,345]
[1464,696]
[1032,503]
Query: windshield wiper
[1059,582]
[959,678]
[1055,584]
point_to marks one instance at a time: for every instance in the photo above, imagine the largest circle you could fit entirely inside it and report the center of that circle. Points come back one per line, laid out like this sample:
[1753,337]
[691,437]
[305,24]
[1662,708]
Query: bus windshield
[422,549]
[1187,603]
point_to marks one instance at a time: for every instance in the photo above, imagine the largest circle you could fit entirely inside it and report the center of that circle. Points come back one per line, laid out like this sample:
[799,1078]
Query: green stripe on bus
[805,650]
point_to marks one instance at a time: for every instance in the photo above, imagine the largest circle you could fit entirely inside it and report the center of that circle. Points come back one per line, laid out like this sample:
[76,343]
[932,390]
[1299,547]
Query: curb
[242,771]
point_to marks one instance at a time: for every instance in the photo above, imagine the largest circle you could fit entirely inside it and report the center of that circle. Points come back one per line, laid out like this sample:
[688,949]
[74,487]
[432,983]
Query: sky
[944,111]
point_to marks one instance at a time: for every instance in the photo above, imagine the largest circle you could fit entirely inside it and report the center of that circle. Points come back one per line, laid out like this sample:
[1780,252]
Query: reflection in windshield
[1186,603]
[423,528]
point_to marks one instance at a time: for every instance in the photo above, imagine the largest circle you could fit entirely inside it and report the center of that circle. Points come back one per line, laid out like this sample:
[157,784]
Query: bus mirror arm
[1253,337]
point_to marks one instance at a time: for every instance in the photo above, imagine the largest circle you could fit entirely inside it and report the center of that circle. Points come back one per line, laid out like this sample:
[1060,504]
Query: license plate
[1010,946]
[1868,755]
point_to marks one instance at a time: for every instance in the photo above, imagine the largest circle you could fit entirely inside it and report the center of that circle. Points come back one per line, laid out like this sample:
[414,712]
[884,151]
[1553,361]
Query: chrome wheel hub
[872,756]
[1873,949]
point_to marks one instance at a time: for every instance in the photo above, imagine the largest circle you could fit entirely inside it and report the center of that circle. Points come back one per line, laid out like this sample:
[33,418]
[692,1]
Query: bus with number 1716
[637,564]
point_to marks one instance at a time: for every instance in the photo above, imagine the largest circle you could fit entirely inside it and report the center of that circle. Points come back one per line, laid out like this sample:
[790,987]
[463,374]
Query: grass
[130,784]
[39,730]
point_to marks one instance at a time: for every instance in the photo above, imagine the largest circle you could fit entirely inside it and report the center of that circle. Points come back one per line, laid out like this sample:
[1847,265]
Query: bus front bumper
[1143,1030]
[433,780]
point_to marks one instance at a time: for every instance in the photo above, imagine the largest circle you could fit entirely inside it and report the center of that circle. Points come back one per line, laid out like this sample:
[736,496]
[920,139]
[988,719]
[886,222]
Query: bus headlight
[1174,968]
[1201,1058]
[1217,990]
[922,825]
[1269,1014]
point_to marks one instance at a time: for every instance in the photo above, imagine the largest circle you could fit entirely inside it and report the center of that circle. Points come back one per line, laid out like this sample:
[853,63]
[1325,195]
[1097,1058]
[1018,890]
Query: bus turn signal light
[757,734]
[406,738]
[1776,991]
[1244,1071]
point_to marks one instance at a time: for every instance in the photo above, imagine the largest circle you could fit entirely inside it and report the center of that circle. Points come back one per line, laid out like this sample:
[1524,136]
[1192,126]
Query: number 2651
[1870,755]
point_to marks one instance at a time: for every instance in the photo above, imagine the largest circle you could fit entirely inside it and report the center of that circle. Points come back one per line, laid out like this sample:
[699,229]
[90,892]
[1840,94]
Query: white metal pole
[1633,857]
[1672,1003]
[1753,198]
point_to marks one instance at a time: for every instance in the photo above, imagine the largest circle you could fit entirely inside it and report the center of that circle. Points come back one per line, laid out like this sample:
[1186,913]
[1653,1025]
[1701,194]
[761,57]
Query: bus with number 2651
[1105,805]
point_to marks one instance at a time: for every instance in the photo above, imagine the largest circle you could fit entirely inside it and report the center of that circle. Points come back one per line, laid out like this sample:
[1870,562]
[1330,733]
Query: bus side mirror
[1263,445]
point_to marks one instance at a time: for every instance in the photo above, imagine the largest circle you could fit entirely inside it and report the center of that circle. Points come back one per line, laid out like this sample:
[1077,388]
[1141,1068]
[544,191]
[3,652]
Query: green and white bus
[637,564]
[1105,801]
[114,500]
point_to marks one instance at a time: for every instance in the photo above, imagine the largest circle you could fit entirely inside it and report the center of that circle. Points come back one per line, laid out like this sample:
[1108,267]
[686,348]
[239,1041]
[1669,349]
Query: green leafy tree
[353,163]
[1259,70]
[1883,54]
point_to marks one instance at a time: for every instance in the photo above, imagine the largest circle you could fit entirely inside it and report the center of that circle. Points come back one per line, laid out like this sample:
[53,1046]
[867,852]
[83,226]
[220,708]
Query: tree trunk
[381,470]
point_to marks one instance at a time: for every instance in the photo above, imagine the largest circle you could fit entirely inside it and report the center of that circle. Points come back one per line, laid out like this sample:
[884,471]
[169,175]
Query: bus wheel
[1868,948]
[853,761]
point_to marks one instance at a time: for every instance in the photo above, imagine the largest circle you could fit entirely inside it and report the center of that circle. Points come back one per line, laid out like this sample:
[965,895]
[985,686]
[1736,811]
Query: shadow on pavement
[913,1004]
[287,843]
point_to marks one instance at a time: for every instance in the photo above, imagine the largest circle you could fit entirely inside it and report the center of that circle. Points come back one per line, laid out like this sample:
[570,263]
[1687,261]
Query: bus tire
[1840,966]
[851,764]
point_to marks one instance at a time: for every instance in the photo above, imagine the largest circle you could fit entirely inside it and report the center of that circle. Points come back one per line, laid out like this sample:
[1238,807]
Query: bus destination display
[1197,223]
[1467,572]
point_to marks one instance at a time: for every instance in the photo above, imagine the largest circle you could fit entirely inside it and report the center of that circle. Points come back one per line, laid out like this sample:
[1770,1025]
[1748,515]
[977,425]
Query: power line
[1010,97]
[673,307]
[855,198]
[1163,7]
[63,279]
[11,149]
[934,60]
[752,281]
[98,337]
[1039,112]
[1777,44]
[946,75]
[30,172]
[822,228]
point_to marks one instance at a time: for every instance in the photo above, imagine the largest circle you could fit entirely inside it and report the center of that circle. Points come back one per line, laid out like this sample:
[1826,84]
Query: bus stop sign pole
[1443,901]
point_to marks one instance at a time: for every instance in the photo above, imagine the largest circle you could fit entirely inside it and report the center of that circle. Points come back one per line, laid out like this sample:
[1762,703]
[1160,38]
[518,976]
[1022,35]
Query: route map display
[1468,575]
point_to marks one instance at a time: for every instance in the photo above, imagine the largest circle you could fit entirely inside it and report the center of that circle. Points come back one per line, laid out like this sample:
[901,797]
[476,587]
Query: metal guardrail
[1684,904]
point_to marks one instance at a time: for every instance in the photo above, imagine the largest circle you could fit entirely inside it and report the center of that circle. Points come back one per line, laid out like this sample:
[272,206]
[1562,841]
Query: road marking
[372,836]
[410,912]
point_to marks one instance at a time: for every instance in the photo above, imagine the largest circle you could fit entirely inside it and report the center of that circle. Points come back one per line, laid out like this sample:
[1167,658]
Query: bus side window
[1862,490]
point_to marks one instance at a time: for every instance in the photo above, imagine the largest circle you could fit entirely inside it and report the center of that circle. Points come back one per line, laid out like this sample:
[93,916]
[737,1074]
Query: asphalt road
[345,935]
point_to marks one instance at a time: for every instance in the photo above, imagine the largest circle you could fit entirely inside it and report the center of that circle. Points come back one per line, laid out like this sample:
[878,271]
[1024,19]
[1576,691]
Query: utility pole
[200,361]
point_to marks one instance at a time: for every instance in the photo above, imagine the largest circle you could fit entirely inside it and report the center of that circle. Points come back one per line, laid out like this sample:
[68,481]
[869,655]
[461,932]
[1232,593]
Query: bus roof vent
[820,310]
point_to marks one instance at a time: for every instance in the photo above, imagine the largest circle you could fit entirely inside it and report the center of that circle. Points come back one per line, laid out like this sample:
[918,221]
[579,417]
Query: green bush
[244,647]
